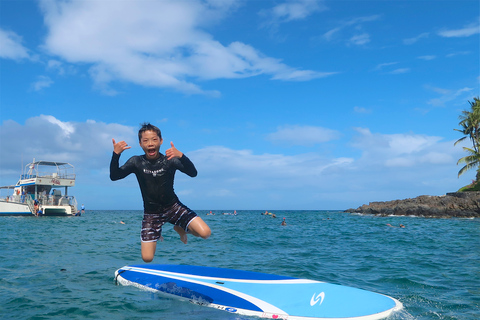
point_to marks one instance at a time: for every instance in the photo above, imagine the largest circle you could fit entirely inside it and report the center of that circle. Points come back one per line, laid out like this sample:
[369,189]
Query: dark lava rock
[451,205]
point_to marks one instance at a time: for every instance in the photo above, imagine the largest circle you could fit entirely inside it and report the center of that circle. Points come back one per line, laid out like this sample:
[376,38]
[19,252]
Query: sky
[281,105]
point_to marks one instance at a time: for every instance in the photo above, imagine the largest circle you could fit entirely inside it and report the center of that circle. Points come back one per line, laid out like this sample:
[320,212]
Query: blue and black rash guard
[155,178]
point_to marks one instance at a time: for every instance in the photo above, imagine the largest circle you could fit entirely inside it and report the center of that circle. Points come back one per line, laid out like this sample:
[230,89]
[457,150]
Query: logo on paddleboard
[231,309]
[318,298]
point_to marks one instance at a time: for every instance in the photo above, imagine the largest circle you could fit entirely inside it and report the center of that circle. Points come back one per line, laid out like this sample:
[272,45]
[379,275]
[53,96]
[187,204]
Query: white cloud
[245,169]
[239,60]
[302,135]
[358,109]
[294,10]
[48,138]
[460,53]
[360,39]
[355,24]
[415,39]
[155,43]
[427,57]
[329,35]
[403,150]
[67,128]
[448,95]
[56,65]
[289,74]
[60,67]
[42,83]
[467,31]
[436,157]
[400,71]
[383,65]
[399,162]
[11,46]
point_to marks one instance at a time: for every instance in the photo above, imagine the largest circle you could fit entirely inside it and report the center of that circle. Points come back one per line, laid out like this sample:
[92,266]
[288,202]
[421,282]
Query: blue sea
[63,267]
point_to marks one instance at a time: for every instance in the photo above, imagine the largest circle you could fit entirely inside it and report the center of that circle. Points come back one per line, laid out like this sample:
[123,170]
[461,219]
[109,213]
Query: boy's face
[150,143]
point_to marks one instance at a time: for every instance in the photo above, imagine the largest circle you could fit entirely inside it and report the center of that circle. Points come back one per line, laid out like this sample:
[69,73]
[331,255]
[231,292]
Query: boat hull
[57,211]
[14,209]
[9,208]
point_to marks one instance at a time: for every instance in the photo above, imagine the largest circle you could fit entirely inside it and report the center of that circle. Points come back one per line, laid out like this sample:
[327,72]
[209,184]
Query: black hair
[147,126]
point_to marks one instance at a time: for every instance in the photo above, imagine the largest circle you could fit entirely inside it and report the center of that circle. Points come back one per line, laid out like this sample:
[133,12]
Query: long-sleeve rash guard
[155,178]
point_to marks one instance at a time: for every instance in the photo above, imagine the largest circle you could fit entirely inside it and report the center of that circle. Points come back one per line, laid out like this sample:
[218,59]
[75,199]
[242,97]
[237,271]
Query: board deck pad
[259,294]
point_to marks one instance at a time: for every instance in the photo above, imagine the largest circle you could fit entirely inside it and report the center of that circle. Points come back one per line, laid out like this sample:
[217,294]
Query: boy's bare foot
[182,233]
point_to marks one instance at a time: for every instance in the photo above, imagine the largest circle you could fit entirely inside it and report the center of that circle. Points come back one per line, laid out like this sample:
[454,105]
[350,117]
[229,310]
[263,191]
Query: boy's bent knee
[147,258]
[206,233]
[199,228]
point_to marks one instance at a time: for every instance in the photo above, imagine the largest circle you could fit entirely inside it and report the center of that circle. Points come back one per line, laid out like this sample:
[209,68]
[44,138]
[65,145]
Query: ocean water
[63,267]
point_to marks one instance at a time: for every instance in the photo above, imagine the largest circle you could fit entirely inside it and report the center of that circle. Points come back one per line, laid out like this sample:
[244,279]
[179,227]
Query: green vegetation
[471,187]
[470,124]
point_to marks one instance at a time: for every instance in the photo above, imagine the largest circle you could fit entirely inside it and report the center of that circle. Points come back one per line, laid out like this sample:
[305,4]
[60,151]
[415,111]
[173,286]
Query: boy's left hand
[173,152]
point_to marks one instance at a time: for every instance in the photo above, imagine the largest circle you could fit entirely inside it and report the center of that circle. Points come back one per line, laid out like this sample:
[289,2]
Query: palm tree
[471,161]
[470,123]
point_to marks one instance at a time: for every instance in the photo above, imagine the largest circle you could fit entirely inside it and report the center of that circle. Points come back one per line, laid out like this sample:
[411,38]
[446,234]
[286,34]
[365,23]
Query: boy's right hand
[119,147]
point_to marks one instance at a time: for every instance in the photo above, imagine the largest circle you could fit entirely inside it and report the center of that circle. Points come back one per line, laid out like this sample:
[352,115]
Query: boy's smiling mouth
[152,151]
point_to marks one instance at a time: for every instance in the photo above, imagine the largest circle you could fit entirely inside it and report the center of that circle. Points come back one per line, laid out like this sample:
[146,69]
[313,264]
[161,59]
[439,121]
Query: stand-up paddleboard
[259,294]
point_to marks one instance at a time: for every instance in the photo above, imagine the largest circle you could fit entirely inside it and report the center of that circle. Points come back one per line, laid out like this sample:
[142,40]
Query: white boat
[39,191]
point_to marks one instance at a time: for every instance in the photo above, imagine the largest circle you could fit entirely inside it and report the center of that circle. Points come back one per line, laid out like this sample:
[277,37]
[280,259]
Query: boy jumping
[155,174]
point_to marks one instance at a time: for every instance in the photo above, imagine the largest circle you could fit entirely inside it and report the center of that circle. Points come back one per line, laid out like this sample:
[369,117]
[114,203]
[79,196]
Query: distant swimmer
[284,223]
[401,226]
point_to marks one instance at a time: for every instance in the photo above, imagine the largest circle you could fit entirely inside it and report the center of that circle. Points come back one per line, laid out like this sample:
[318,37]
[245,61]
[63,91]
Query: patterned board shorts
[178,214]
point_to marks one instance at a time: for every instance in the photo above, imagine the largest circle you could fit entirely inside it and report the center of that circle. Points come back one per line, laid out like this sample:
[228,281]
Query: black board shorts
[177,214]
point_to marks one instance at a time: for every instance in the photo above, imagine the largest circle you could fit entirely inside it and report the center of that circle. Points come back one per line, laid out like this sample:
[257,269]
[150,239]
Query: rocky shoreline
[451,205]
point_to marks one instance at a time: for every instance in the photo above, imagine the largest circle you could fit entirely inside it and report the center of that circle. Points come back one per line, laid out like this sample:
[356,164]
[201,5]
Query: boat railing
[48,169]
[30,204]
[73,204]
[67,176]
[43,200]
[49,200]
[14,199]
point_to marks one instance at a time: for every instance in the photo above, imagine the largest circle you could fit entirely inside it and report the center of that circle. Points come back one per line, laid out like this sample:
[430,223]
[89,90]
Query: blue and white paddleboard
[259,294]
